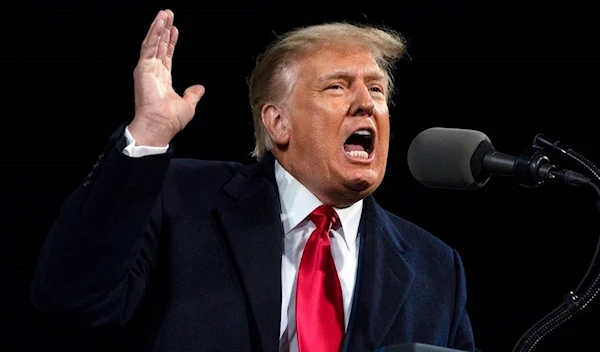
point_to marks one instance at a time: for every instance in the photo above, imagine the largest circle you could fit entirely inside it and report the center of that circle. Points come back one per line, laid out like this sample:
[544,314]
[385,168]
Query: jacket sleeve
[96,260]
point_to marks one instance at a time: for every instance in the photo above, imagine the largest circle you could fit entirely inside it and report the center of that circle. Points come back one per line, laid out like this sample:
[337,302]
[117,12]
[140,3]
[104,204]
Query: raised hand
[160,113]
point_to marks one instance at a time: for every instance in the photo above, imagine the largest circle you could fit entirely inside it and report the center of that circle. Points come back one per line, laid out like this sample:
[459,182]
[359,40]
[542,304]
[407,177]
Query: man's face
[338,121]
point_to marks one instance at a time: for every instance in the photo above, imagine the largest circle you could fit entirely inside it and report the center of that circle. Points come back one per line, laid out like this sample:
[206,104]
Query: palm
[155,100]
[155,94]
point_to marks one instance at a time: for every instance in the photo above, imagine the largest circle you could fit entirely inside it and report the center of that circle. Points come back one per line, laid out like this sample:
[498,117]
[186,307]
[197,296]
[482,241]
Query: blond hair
[274,66]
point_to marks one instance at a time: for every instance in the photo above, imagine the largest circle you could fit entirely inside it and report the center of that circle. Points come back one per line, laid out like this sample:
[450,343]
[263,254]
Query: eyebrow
[374,76]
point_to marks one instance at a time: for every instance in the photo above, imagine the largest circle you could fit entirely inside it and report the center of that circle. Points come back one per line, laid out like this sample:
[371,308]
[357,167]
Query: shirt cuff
[138,151]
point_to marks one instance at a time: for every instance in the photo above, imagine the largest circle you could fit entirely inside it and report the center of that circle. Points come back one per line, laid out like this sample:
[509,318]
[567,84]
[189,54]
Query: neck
[338,198]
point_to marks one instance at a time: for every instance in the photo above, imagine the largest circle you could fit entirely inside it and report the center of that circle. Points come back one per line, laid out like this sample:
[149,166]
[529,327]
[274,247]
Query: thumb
[193,94]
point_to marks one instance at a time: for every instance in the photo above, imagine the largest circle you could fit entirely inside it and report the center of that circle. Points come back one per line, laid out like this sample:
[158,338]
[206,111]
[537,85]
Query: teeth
[363,132]
[359,154]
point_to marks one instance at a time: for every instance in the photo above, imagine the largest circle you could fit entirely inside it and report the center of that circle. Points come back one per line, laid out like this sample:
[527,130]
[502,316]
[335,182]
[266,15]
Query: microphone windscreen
[449,158]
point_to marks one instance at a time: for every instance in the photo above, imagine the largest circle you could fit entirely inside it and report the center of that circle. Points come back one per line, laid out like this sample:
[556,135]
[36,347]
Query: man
[292,253]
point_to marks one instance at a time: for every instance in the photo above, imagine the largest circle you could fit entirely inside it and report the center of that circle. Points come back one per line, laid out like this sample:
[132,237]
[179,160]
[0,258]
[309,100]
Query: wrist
[149,132]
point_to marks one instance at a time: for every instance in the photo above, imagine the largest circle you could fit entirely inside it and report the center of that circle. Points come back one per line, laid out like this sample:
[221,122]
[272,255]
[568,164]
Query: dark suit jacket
[201,242]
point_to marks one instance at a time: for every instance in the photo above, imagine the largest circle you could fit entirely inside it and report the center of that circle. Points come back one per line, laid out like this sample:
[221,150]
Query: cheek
[383,125]
[385,131]
[321,122]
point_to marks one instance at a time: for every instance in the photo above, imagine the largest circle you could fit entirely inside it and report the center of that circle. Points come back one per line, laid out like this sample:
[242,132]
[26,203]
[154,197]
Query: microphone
[462,159]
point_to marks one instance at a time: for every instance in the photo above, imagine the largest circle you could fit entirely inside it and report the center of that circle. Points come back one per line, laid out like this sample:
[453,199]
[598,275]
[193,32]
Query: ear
[276,124]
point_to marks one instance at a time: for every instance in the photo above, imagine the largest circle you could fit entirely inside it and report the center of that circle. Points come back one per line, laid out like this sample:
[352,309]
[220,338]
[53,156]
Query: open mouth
[360,144]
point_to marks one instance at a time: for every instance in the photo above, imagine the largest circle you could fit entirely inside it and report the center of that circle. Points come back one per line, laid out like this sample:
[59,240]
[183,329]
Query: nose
[362,104]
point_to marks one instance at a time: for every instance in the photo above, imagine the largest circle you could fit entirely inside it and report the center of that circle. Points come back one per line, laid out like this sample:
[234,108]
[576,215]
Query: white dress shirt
[297,202]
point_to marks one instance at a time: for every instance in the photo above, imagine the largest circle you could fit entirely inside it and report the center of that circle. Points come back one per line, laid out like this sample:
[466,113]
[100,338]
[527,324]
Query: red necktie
[319,303]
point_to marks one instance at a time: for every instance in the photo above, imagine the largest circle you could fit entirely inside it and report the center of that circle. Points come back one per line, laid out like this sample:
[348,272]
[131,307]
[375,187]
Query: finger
[165,36]
[150,46]
[171,47]
[193,95]
[159,15]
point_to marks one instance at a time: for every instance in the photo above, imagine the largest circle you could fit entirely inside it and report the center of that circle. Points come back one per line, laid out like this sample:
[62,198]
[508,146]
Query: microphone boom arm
[589,287]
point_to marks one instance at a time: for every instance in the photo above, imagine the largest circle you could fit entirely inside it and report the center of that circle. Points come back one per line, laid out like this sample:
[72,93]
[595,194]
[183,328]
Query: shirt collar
[297,202]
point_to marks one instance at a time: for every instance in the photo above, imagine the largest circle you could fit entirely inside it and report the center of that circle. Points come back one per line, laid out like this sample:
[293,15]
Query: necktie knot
[324,217]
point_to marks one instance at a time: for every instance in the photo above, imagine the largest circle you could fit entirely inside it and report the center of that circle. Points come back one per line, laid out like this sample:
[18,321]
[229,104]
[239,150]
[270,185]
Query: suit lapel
[249,211]
[384,280]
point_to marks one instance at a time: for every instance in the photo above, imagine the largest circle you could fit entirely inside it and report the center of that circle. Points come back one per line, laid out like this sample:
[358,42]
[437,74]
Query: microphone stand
[589,287]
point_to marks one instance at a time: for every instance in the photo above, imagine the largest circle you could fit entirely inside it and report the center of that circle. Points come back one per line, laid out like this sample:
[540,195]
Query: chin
[364,182]
[351,190]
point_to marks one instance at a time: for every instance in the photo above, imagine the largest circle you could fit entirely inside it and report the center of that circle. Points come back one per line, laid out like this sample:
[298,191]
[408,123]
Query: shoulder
[424,246]
[189,172]
[182,166]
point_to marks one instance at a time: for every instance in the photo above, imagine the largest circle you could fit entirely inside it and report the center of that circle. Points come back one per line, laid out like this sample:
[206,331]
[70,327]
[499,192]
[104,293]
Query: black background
[511,70]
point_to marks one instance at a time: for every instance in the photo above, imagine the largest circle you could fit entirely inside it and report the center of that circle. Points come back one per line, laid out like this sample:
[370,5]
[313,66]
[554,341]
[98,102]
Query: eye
[335,86]
[376,89]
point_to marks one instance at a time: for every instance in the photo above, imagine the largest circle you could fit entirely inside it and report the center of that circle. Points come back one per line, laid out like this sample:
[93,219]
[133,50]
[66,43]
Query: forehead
[335,60]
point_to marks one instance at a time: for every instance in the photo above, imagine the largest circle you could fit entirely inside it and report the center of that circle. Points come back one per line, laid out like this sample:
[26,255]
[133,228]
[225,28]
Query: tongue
[354,147]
